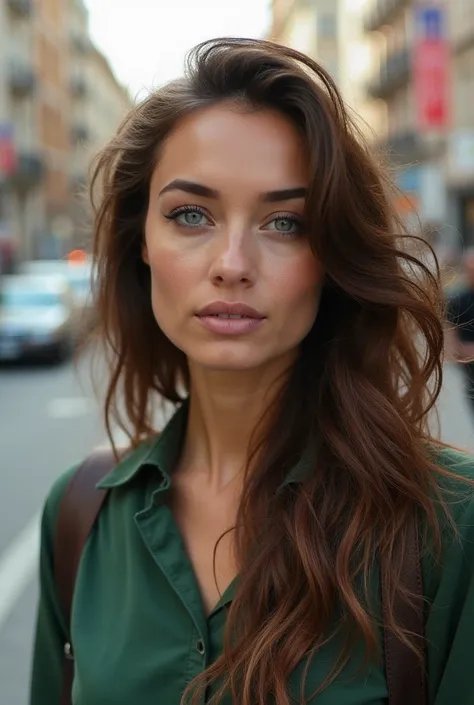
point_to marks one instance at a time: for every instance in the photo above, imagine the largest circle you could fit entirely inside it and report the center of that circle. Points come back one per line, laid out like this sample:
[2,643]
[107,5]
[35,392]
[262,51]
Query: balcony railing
[381,12]
[22,79]
[393,73]
[20,8]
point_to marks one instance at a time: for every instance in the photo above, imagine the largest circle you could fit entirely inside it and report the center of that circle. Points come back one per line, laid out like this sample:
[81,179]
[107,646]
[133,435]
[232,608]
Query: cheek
[171,272]
[298,288]
[173,277]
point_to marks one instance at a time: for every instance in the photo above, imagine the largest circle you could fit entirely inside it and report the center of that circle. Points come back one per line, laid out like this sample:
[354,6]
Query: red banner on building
[431,68]
[7,150]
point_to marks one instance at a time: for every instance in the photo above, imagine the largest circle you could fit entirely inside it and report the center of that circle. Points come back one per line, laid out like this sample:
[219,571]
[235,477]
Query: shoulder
[458,466]
[456,482]
[459,462]
[455,564]
[122,471]
[449,584]
[455,504]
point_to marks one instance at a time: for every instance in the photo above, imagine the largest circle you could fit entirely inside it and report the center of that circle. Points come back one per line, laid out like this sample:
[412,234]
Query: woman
[252,272]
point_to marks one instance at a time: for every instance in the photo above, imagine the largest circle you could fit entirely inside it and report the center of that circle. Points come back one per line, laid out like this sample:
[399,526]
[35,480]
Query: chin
[227,363]
[230,358]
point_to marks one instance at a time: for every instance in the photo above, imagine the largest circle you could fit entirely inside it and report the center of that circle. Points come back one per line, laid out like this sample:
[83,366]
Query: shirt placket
[161,535]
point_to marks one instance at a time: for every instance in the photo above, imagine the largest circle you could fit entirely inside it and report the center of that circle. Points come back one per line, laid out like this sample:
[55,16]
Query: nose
[234,259]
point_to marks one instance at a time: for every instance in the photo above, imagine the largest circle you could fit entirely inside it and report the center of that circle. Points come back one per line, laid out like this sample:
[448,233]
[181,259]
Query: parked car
[80,278]
[37,317]
[78,274]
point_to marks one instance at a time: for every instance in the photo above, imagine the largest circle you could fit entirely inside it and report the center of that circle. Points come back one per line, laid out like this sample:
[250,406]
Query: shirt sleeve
[450,623]
[51,629]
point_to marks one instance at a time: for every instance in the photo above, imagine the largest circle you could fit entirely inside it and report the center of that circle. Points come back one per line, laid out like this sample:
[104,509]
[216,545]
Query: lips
[233,311]
[229,319]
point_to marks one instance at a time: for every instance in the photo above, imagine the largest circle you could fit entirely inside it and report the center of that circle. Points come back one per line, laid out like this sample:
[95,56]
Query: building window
[327,25]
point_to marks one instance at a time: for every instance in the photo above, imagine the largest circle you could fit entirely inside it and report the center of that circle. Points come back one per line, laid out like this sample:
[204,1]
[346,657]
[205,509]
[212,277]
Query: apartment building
[59,102]
[53,106]
[310,27]
[331,32]
[22,177]
[436,164]
[100,103]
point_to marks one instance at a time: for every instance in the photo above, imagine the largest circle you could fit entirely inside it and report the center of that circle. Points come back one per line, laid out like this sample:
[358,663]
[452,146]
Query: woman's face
[235,284]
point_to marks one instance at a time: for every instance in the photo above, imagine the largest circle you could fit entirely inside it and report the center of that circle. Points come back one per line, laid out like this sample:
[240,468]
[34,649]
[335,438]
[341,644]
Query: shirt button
[200,647]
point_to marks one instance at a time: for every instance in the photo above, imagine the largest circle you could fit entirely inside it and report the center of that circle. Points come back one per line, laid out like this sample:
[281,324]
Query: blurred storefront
[56,111]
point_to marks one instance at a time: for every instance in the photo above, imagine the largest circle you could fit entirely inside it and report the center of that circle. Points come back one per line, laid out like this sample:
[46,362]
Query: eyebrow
[196,189]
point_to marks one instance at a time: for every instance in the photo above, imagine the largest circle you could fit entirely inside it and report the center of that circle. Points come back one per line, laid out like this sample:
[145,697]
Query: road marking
[19,561]
[18,565]
[70,407]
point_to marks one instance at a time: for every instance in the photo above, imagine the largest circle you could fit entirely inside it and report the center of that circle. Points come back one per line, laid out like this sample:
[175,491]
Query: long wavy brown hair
[359,394]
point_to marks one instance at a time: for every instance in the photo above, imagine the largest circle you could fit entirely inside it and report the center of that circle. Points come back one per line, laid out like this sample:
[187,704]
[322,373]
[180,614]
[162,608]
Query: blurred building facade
[330,31]
[99,105]
[59,103]
[436,157]
[373,49]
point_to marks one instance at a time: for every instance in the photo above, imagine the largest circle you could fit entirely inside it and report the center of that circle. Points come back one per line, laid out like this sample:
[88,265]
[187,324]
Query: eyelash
[279,216]
[185,209]
[293,219]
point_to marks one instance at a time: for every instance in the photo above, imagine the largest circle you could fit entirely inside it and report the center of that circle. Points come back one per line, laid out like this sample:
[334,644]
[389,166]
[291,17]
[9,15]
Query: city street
[48,421]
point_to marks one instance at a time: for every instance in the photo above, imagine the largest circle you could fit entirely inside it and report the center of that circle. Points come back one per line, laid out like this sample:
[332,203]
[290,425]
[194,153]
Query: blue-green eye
[189,217]
[192,219]
[285,225]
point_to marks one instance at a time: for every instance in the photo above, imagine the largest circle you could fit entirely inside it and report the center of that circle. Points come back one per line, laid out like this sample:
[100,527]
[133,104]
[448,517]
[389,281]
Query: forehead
[224,144]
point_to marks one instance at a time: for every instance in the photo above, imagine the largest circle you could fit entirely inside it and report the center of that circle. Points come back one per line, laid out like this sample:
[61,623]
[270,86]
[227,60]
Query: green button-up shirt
[139,630]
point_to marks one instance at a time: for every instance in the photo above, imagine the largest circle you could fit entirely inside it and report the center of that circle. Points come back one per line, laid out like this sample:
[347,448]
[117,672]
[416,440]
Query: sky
[146,40]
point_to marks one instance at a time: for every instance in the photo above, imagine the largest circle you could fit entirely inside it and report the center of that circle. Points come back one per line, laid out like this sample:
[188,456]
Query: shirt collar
[161,452]
[164,450]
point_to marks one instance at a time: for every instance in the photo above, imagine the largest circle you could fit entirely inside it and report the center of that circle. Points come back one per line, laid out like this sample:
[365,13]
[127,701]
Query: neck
[225,411]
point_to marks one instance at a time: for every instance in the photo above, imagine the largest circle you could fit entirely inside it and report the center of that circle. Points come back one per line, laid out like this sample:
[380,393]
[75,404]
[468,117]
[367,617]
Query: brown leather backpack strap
[79,508]
[406,677]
